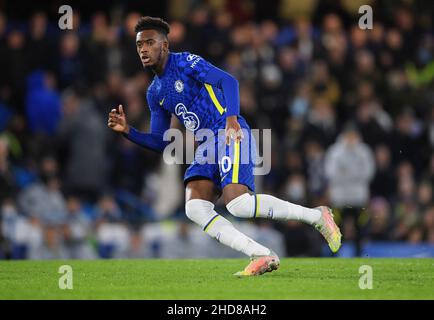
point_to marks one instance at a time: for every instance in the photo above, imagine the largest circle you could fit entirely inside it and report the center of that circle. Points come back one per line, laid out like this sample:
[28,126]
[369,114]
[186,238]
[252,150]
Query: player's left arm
[205,72]
[229,85]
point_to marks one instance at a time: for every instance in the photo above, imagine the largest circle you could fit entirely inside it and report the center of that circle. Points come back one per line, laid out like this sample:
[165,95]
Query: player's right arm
[160,122]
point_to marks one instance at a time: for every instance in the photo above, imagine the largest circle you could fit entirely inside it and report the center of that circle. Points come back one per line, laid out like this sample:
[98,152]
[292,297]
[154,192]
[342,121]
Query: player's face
[150,47]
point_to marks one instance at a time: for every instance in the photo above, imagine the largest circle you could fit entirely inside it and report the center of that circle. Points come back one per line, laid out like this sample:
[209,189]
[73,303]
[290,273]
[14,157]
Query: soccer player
[203,96]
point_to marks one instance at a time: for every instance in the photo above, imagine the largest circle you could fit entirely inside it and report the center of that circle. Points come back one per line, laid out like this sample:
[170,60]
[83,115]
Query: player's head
[151,40]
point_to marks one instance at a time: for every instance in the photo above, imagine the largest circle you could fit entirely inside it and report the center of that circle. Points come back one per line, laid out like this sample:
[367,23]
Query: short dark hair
[151,23]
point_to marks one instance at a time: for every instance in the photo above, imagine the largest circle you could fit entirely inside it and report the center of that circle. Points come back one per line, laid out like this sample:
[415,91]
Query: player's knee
[199,211]
[242,206]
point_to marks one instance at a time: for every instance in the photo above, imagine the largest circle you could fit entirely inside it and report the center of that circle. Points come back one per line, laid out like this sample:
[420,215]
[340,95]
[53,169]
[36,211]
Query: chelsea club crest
[179,86]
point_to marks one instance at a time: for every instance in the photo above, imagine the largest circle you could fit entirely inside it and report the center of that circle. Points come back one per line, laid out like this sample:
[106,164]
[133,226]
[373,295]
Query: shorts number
[226,164]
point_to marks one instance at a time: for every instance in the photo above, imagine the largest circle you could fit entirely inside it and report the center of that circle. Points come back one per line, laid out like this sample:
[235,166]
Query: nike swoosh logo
[161,102]
[224,176]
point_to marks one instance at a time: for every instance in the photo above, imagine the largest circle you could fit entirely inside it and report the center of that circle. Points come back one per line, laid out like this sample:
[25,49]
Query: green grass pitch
[297,278]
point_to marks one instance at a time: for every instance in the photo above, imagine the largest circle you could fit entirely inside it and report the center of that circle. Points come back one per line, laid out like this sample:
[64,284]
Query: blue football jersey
[181,90]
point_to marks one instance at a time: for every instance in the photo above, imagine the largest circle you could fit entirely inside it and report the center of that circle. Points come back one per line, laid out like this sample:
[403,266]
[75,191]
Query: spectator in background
[113,50]
[374,124]
[249,105]
[384,182]
[397,93]
[269,236]
[16,135]
[321,123]
[111,92]
[428,231]
[198,29]
[76,231]
[8,185]
[350,167]
[430,129]
[190,242]
[429,173]
[3,51]
[15,67]
[293,162]
[293,69]
[129,61]
[295,189]
[323,84]
[40,46]
[70,68]
[42,103]
[316,179]
[407,221]
[300,240]
[407,141]
[8,220]
[338,59]
[392,56]
[129,167]
[379,225]
[407,216]
[112,234]
[164,184]
[22,235]
[95,46]
[177,36]
[44,200]
[52,246]
[298,106]
[424,195]
[83,136]
[219,45]
[306,40]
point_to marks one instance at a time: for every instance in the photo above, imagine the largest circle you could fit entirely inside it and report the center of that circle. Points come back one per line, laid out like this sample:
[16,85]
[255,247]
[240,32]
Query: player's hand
[233,130]
[117,120]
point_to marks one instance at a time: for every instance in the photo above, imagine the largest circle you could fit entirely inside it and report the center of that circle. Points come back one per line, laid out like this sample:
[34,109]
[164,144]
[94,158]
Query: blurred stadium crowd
[351,111]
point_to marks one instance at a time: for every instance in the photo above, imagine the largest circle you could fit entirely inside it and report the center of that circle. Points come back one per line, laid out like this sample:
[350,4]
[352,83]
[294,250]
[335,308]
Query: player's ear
[166,45]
